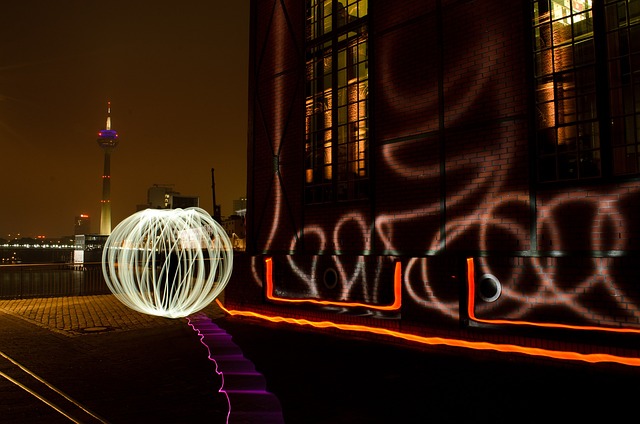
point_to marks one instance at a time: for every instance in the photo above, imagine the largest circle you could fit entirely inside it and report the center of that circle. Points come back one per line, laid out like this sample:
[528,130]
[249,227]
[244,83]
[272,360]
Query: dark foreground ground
[138,370]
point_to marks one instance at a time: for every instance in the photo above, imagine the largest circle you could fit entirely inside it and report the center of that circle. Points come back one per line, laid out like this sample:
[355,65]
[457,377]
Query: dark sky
[176,76]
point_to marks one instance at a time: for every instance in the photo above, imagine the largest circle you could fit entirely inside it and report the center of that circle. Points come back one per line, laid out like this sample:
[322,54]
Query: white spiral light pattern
[167,262]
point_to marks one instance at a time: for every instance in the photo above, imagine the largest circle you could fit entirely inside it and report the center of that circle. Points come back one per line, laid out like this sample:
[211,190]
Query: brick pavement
[123,365]
[78,315]
[160,372]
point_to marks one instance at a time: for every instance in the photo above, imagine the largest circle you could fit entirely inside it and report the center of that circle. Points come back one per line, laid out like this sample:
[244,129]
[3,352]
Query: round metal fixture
[330,278]
[489,288]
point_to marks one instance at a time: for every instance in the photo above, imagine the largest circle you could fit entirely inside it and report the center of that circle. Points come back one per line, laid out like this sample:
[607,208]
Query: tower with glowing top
[108,140]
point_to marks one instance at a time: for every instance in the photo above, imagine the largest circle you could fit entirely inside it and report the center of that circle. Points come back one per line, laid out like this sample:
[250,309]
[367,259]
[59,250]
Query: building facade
[240,206]
[461,169]
[82,225]
[163,196]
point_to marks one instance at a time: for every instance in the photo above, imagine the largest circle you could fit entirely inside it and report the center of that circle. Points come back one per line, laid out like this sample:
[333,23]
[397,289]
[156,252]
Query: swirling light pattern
[167,262]
[462,170]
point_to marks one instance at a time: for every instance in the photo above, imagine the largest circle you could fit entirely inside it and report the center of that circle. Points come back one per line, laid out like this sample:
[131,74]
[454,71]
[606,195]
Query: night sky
[176,75]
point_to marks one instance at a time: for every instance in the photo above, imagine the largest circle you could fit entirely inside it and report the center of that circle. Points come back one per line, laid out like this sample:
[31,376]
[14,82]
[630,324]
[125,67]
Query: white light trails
[167,262]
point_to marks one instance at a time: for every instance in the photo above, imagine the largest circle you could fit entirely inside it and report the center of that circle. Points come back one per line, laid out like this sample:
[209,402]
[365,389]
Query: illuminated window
[337,91]
[587,88]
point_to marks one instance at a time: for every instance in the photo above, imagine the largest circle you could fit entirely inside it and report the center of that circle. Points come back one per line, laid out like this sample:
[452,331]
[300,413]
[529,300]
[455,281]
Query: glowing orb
[167,262]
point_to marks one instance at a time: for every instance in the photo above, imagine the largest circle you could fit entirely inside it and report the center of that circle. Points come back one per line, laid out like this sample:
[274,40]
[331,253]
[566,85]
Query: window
[587,88]
[337,91]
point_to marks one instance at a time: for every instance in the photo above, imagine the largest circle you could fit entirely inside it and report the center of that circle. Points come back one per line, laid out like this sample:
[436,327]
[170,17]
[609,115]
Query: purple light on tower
[108,140]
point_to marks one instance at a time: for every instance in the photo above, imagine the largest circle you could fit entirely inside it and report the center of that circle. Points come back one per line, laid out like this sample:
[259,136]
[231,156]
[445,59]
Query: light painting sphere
[167,262]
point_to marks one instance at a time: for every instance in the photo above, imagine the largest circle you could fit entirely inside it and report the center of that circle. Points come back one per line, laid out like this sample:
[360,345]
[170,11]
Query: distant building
[82,224]
[88,248]
[163,196]
[179,201]
[240,206]
[158,196]
[235,229]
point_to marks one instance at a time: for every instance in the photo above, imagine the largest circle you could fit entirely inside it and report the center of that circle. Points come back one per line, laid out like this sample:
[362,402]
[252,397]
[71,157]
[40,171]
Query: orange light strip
[472,315]
[397,292]
[441,341]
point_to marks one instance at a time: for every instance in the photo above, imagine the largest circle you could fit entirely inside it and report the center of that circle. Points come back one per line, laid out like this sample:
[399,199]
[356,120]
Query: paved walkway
[129,367]
[123,365]
[78,315]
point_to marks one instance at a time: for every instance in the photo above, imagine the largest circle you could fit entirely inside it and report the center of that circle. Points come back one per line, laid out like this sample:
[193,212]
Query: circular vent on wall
[489,288]
[330,278]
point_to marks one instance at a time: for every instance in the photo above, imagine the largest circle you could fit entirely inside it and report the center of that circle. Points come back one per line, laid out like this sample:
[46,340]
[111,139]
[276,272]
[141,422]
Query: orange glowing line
[472,316]
[397,292]
[441,341]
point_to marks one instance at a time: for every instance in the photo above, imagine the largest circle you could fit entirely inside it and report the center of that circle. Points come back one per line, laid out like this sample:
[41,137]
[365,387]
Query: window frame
[585,133]
[332,138]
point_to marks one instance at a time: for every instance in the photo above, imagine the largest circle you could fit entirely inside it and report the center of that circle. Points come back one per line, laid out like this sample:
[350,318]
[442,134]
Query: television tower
[108,140]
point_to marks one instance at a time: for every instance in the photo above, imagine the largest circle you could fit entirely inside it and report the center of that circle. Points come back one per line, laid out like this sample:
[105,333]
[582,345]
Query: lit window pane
[565,91]
[336,130]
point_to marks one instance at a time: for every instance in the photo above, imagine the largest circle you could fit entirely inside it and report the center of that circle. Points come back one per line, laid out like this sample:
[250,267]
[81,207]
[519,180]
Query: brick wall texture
[451,168]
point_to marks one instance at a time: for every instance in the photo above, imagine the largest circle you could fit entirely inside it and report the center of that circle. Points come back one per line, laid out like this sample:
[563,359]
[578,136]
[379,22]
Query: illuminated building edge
[455,177]
[269,311]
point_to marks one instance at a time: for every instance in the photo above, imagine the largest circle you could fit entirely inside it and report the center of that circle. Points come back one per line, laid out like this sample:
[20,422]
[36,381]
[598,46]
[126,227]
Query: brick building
[452,168]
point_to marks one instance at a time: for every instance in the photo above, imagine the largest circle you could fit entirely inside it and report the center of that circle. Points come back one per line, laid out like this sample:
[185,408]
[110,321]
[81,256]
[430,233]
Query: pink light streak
[242,385]
[212,359]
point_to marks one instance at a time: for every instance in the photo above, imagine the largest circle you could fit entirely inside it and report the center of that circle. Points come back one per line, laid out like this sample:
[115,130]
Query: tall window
[337,89]
[587,80]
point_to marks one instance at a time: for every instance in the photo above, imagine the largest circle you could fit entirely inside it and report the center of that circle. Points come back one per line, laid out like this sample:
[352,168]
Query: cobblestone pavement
[74,316]
[129,367]
[79,315]
[125,366]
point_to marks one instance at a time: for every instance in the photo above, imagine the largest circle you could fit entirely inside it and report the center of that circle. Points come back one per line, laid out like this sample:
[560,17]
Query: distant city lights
[38,246]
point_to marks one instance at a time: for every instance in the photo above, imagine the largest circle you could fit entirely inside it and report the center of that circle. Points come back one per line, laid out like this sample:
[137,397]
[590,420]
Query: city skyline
[176,77]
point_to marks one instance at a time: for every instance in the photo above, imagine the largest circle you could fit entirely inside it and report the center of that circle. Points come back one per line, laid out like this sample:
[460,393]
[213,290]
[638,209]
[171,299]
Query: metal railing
[18,281]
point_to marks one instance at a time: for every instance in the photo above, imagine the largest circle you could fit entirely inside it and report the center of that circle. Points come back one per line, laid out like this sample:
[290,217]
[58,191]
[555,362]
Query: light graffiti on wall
[481,198]
[485,220]
[397,292]
[421,291]
[471,300]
